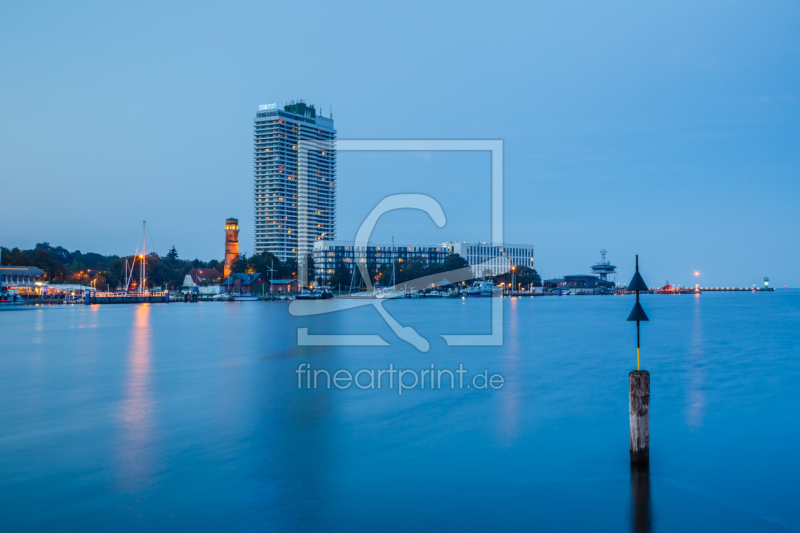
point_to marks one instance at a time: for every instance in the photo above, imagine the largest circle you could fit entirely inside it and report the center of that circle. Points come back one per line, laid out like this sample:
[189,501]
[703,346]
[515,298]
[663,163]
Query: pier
[737,289]
[109,298]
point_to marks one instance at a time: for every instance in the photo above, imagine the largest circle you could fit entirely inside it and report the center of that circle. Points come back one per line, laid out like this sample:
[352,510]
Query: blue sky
[666,130]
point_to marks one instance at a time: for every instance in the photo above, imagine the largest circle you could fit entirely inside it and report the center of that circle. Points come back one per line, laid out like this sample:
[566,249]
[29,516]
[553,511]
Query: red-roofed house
[201,276]
[203,281]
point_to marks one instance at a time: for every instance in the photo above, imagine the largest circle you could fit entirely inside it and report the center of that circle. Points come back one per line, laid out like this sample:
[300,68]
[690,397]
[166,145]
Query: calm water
[188,417]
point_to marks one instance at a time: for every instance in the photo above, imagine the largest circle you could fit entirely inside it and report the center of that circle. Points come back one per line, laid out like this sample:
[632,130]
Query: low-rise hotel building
[330,254]
[484,259]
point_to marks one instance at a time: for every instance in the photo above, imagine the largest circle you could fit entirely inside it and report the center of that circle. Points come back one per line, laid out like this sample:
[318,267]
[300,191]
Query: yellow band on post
[638,359]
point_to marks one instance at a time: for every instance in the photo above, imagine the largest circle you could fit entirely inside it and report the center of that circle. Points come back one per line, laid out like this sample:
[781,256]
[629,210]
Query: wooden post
[641,519]
[639,411]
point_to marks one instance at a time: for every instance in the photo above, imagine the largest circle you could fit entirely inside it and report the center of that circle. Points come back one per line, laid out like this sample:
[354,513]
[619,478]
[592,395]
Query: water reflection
[226,404]
[509,416]
[135,450]
[39,336]
[696,396]
[641,519]
[208,430]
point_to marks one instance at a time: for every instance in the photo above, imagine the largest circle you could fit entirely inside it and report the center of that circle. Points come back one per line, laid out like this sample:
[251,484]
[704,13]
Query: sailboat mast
[144,256]
[393,254]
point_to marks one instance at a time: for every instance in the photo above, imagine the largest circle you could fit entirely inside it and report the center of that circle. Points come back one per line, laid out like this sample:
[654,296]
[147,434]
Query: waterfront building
[490,259]
[202,281]
[284,286]
[295,180]
[201,276]
[231,244]
[243,283]
[330,254]
[73,291]
[586,283]
[22,279]
[579,284]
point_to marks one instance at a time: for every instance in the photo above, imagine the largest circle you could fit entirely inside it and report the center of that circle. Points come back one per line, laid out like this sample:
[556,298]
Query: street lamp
[513,278]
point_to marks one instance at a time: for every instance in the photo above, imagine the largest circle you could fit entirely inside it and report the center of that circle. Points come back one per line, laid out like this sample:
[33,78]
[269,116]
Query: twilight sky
[667,130]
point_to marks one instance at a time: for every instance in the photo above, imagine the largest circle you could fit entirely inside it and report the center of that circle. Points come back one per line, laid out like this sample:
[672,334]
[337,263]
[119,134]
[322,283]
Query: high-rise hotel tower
[295,179]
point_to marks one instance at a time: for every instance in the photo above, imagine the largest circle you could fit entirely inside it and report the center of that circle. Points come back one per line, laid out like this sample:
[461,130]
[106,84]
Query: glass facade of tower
[295,179]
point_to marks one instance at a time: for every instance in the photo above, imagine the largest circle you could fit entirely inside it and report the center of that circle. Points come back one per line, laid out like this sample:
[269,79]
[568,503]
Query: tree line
[103,271]
[108,271]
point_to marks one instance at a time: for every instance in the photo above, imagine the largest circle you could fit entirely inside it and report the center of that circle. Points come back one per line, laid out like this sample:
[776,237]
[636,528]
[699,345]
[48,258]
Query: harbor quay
[392,271]
[465,292]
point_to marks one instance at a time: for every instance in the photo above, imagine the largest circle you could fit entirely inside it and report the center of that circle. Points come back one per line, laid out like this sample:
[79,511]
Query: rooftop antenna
[604,268]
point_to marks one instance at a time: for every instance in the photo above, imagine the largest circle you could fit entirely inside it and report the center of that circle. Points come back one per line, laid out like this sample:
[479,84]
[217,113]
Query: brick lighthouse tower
[231,244]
